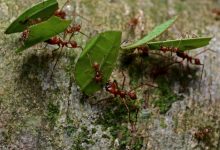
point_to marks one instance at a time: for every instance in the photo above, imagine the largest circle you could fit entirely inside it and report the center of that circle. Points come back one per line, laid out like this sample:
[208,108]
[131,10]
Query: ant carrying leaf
[103,49]
[43,31]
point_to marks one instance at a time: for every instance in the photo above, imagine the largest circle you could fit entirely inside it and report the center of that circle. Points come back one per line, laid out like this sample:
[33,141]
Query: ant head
[24,35]
[60,13]
[132,95]
[96,66]
[133,22]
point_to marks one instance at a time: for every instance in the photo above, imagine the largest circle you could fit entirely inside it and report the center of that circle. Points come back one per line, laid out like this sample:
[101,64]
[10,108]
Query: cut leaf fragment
[44,31]
[102,49]
[182,44]
[42,11]
[158,30]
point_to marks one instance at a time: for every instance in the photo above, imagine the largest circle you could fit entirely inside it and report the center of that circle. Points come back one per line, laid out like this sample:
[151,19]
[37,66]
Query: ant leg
[54,50]
[56,62]
[124,78]
[77,14]
[83,34]
[201,75]
[128,110]
[134,129]
[146,99]
[103,100]
[147,84]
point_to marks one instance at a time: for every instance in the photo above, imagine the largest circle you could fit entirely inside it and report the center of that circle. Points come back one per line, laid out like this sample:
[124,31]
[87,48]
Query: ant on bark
[190,59]
[112,87]
[98,74]
[203,133]
[24,35]
[180,54]
[58,41]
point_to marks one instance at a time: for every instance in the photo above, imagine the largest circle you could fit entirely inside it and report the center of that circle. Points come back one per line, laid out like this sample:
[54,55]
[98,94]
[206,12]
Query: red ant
[58,41]
[31,21]
[144,50]
[112,87]
[181,54]
[98,75]
[73,28]
[202,133]
[133,22]
[216,11]
[60,13]
[189,58]
[24,35]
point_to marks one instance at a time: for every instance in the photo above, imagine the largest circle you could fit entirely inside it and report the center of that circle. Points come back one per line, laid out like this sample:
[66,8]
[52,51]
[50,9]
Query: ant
[202,133]
[216,11]
[24,35]
[30,21]
[60,13]
[143,50]
[98,74]
[180,54]
[112,87]
[190,59]
[58,41]
[133,22]
[73,29]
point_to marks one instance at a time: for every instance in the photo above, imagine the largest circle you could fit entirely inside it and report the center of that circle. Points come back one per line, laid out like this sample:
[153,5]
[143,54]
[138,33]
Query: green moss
[166,96]
[105,136]
[82,137]
[162,123]
[70,130]
[70,67]
[52,113]
[115,119]
[94,130]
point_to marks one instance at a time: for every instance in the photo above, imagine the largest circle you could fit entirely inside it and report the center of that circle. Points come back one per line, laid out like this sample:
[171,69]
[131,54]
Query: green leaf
[43,10]
[103,49]
[44,30]
[152,35]
[182,44]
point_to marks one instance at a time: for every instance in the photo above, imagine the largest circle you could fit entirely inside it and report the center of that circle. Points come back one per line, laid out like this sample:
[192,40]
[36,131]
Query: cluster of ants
[56,40]
[111,86]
